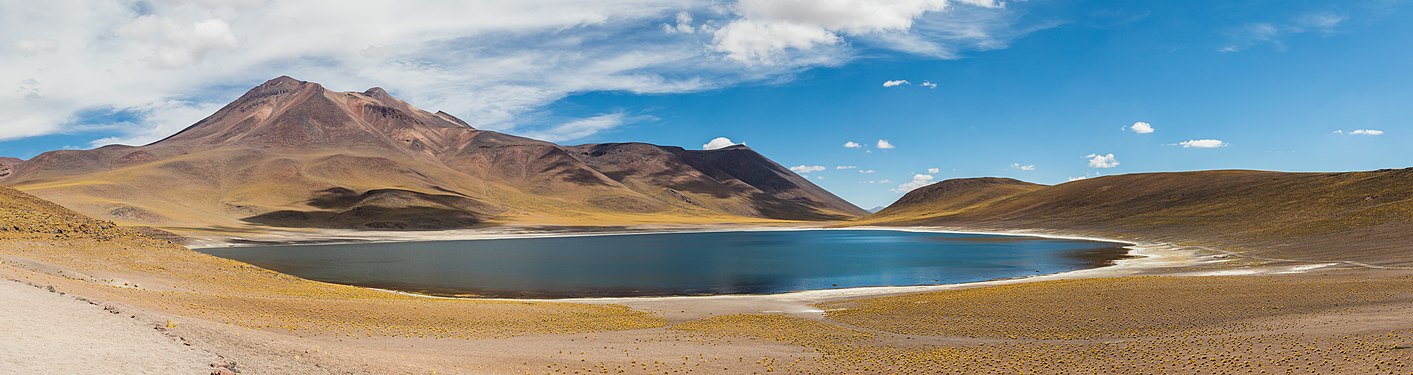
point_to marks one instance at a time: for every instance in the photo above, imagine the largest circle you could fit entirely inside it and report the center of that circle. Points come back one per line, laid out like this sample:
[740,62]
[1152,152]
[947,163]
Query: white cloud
[1086,176]
[1366,132]
[867,171]
[1026,167]
[1141,127]
[1102,161]
[683,25]
[878,182]
[585,127]
[896,83]
[843,167]
[1254,34]
[1203,143]
[919,180]
[803,169]
[934,170]
[884,144]
[929,84]
[852,144]
[498,64]
[718,143]
[766,30]
[36,46]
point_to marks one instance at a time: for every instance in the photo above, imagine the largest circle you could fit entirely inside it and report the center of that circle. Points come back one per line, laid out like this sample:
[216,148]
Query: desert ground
[84,286]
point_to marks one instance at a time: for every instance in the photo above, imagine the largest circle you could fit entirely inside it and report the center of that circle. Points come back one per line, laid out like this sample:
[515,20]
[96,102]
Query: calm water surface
[678,263]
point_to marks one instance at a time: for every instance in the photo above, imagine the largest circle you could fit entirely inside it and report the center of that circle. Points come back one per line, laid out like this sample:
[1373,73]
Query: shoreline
[1141,257]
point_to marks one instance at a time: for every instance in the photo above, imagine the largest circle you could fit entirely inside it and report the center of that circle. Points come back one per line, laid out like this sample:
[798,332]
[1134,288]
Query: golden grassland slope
[1363,217]
[291,153]
[119,264]
[1343,321]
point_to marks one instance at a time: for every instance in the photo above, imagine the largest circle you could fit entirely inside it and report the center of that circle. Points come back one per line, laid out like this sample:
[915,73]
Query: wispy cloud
[496,63]
[1361,132]
[896,83]
[588,126]
[805,169]
[1203,143]
[1023,167]
[1251,35]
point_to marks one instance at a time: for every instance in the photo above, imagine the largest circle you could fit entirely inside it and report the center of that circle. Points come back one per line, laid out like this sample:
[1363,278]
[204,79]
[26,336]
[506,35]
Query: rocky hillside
[291,153]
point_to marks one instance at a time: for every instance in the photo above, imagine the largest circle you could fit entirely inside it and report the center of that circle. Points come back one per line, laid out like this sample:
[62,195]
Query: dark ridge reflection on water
[672,264]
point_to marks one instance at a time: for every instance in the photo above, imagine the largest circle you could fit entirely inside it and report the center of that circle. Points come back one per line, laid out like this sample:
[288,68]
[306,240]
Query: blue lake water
[749,262]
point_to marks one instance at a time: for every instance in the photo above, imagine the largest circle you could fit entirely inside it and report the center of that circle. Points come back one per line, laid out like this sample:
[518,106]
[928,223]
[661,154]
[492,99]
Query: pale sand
[43,332]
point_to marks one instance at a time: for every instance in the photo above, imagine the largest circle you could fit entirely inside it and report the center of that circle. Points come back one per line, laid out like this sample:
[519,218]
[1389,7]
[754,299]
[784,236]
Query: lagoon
[674,264]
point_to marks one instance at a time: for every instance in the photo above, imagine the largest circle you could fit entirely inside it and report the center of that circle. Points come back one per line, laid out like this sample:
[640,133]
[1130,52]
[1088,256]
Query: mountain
[875,209]
[1352,216]
[291,153]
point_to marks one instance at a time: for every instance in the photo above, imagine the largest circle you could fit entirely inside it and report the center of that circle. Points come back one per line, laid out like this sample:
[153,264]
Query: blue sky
[1029,89]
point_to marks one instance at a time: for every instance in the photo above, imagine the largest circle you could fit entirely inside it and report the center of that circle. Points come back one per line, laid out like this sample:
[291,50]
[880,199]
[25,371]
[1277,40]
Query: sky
[869,99]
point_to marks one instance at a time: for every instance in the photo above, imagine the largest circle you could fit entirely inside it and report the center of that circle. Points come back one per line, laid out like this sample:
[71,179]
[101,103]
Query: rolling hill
[291,153]
[1352,216]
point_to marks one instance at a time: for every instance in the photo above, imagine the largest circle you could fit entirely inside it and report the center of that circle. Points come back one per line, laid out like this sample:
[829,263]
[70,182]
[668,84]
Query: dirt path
[47,333]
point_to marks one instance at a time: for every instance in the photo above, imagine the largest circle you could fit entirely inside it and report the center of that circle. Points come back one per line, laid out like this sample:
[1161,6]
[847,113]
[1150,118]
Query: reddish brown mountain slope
[292,153]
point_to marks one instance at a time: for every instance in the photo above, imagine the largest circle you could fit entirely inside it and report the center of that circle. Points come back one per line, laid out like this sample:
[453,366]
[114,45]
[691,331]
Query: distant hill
[290,153]
[1354,216]
[875,209]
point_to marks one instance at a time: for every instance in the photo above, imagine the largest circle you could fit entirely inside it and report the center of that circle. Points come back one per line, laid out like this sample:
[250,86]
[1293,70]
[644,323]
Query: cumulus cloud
[1141,127]
[1024,167]
[1085,176]
[1102,161]
[683,25]
[929,84]
[884,144]
[719,143]
[768,29]
[934,170]
[896,83]
[919,180]
[843,167]
[1203,143]
[804,169]
[852,144]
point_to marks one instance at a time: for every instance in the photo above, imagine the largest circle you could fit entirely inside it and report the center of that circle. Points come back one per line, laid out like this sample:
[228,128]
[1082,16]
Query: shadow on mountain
[385,209]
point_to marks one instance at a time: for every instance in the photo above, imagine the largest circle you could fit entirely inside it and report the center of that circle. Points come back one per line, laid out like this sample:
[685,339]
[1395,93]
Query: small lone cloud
[719,143]
[843,167]
[804,169]
[1369,132]
[884,144]
[1028,167]
[934,170]
[1141,127]
[896,83]
[867,171]
[1102,161]
[852,144]
[1203,143]
[929,84]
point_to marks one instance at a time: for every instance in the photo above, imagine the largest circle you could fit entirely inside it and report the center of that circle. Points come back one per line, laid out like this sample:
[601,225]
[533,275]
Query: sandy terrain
[48,333]
[1266,315]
